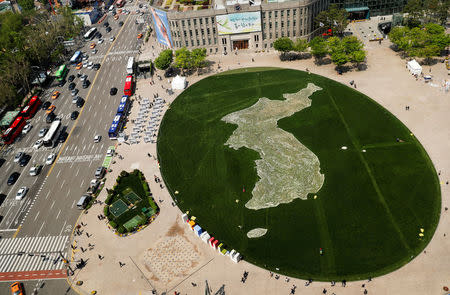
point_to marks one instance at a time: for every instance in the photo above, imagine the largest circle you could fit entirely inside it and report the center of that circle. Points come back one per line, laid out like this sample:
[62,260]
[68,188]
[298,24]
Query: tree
[164,59]
[319,48]
[183,59]
[301,45]
[334,18]
[414,10]
[198,56]
[26,4]
[283,44]
[358,57]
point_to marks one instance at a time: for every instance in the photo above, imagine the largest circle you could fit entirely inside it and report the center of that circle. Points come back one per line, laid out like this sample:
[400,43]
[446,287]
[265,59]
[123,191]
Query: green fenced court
[133,222]
[132,197]
[118,208]
[375,208]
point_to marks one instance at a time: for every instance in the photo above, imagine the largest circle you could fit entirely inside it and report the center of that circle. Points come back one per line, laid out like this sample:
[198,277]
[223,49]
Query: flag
[321,24]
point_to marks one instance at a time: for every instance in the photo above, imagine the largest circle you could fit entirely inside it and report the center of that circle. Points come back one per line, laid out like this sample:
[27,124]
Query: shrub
[108,199]
[121,229]
[124,173]
[113,224]
[106,210]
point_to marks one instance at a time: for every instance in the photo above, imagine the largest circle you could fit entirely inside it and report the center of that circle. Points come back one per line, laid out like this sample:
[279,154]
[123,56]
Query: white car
[18,156]
[83,77]
[100,41]
[112,38]
[42,132]
[90,65]
[27,128]
[74,99]
[110,152]
[21,193]
[85,64]
[38,144]
[50,159]
[35,170]
[97,138]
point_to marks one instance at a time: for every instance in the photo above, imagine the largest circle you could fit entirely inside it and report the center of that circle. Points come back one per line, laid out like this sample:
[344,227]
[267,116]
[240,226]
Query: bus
[61,73]
[76,57]
[120,3]
[48,138]
[90,34]
[31,109]
[123,105]
[116,126]
[130,65]
[14,130]
[128,89]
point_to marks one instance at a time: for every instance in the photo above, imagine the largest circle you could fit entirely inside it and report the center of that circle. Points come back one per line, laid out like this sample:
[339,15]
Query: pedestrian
[324,291]
[344,283]
[446,182]
[365,291]
[87,234]
[333,283]
[100,257]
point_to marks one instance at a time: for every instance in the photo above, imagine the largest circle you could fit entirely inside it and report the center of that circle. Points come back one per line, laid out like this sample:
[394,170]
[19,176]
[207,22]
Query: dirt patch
[175,230]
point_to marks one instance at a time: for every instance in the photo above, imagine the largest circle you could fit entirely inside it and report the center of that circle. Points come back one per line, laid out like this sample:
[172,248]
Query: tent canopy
[414,67]
[178,82]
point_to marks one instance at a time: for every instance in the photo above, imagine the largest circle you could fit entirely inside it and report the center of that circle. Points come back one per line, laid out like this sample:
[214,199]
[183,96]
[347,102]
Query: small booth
[191,224]
[210,241]
[205,237]
[198,230]
[414,67]
[185,217]
[179,82]
[215,244]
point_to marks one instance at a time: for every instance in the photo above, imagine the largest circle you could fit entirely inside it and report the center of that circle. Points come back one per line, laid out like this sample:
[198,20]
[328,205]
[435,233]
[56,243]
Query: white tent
[178,82]
[414,67]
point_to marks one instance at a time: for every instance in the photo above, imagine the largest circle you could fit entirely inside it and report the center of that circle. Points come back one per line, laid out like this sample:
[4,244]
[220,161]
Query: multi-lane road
[35,229]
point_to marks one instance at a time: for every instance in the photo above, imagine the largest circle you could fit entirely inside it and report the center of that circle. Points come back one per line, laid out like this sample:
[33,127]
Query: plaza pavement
[386,80]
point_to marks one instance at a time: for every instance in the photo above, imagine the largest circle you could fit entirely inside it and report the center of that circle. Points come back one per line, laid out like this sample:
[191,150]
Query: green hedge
[121,229]
[106,210]
[108,200]
[113,224]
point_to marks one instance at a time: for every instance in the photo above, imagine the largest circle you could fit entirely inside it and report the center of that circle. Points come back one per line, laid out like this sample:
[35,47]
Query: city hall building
[235,25]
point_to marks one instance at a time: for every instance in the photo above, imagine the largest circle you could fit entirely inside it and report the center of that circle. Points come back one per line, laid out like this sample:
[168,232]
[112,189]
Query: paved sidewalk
[153,257]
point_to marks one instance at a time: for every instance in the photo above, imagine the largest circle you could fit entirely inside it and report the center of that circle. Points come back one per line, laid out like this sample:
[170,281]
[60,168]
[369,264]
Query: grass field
[372,204]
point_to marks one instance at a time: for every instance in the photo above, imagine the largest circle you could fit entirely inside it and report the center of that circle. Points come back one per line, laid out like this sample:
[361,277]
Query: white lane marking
[58,214]
[57,176]
[40,229]
[82,182]
[73,204]
[78,170]
[62,184]
[48,193]
[36,215]
[64,225]
[52,205]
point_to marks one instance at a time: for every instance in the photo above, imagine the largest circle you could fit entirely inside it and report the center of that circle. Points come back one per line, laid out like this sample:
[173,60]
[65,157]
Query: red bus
[14,130]
[120,3]
[31,109]
[128,89]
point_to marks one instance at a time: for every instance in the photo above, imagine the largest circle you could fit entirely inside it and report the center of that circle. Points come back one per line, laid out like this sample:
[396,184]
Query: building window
[288,23]
[282,24]
[294,12]
[288,13]
[214,31]
[206,21]
[190,33]
[182,22]
[212,19]
[185,34]
[209,41]
[281,13]
[282,34]
[276,25]
[217,49]
[202,31]
[270,25]
[187,44]
[264,26]
[196,32]
[198,42]
[215,40]
[293,34]
[201,21]
[192,43]
[288,34]
[264,36]
[276,13]
[270,14]
[204,42]
[294,22]
[256,45]
[276,35]
[210,50]
[207,31]
[270,36]
[224,41]
[195,22]
[189,22]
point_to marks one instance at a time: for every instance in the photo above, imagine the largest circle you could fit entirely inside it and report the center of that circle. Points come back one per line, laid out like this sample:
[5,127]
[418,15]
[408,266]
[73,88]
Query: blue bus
[76,57]
[123,105]
[116,126]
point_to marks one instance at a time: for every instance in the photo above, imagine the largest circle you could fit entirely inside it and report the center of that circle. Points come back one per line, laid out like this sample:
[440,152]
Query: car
[106,24]
[74,99]
[85,63]
[90,65]
[139,36]
[92,46]
[16,288]
[94,51]
[21,193]
[62,136]
[113,13]
[96,67]
[74,92]
[45,105]
[97,138]
[140,6]
[50,159]
[100,41]
[35,170]
[2,161]
[108,29]
[38,144]
[119,10]
[74,115]
[113,91]
[110,152]
[120,23]
[18,156]
[55,94]
[83,77]
[80,102]
[72,86]
[141,14]
[42,132]
[50,117]
[79,66]
[85,57]
[24,161]
[138,11]
[13,178]
[100,172]
[116,17]
[112,38]
[99,35]
[2,199]
[71,78]
[27,128]
[86,84]
[93,186]
[50,109]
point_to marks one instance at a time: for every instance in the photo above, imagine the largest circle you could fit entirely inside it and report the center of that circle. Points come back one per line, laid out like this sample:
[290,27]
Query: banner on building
[236,23]
[161,25]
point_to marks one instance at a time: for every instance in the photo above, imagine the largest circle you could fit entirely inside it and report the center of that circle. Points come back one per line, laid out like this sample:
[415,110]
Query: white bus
[48,138]
[90,34]
[130,65]
[76,57]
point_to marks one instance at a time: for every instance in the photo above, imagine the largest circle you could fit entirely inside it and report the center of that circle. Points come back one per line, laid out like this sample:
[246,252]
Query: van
[82,203]
[111,8]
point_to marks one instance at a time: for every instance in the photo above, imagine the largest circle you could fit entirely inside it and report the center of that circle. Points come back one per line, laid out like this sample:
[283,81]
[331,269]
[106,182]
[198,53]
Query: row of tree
[31,42]
[340,50]
[425,41]
[186,60]
[426,11]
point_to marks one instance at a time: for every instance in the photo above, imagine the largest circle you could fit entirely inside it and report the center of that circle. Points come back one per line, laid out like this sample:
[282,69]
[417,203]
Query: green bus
[61,73]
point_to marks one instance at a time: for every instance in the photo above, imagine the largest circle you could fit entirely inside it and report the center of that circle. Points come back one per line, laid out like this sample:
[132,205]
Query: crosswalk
[32,253]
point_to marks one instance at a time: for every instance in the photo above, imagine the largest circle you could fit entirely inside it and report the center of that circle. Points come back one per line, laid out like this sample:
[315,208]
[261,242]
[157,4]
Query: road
[41,223]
